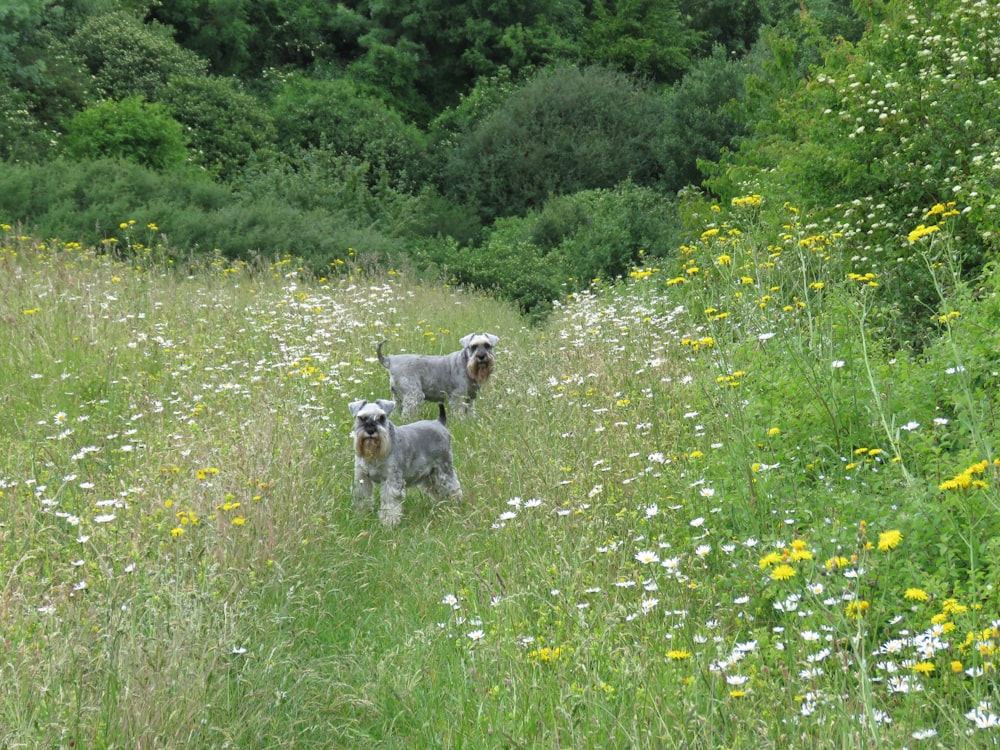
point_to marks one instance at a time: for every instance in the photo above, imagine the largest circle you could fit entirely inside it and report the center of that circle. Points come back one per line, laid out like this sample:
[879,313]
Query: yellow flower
[888,540]
[922,231]
[771,558]
[677,655]
[783,572]
[916,595]
[956,666]
[176,532]
[923,667]
[856,609]
[774,431]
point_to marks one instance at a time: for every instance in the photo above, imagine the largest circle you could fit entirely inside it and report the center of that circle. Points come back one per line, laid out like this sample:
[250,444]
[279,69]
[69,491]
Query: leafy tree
[648,38]
[734,24]
[563,131]
[243,37]
[128,129]
[337,115]
[227,126]
[705,114]
[448,45]
[126,57]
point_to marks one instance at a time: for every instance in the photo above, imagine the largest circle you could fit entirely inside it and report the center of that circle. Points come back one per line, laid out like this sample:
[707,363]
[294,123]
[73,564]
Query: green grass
[682,501]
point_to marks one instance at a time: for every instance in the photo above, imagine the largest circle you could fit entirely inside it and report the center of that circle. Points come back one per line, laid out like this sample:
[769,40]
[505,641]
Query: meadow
[705,505]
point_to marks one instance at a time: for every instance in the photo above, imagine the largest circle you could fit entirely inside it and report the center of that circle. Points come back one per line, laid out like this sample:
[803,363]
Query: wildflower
[916,595]
[856,610]
[678,655]
[922,231]
[771,558]
[783,572]
[889,540]
[646,557]
[476,635]
[983,716]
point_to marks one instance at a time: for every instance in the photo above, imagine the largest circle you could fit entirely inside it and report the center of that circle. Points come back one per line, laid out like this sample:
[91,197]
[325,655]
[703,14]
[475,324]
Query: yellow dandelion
[889,540]
[678,655]
[855,610]
[783,572]
[957,666]
[916,595]
[924,667]
[771,558]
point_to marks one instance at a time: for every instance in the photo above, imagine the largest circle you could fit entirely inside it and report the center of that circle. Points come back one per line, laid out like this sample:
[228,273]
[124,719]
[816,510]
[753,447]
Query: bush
[564,131]
[128,58]
[227,125]
[705,114]
[86,201]
[127,129]
[606,233]
[336,116]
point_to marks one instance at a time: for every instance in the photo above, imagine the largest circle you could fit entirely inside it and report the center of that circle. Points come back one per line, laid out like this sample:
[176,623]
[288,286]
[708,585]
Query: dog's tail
[442,417]
[381,358]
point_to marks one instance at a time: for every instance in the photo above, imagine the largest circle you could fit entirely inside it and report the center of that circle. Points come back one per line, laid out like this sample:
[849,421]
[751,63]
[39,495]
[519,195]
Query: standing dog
[455,377]
[397,457]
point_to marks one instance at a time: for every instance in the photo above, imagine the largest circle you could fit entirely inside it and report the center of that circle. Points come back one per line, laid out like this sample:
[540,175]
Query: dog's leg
[411,402]
[445,484]
[363,491]
[391,501]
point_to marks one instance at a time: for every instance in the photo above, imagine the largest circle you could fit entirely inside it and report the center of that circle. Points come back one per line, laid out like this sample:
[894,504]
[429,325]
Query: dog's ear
[386,406]
[356,406]
[464,341]
[494,340]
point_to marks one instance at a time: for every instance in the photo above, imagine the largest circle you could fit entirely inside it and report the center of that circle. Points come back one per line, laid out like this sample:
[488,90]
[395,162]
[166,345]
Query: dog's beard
[479,371]
[372,447]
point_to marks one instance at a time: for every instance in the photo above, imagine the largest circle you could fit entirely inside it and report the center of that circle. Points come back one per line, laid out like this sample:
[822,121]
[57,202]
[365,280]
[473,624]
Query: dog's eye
[381,420]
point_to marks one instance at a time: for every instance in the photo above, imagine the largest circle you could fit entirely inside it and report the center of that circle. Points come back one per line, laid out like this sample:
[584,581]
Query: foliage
[647,38]
[227,126]
[127,57]
[448,45]
[128,129]
[889,124]
[565,130]
[336,115]
[705,114]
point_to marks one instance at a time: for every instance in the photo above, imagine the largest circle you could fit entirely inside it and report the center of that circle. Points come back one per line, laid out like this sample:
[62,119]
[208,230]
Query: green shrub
[126,57]
[337,116]
[227,125]
[705,114]
[564,131]
[128,129]
[608,232]
[86,201]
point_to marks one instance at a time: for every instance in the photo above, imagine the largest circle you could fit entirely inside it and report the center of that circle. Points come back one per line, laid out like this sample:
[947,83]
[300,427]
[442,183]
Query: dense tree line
[528,145]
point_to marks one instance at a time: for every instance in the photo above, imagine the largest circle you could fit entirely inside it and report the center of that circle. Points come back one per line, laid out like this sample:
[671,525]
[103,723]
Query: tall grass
[704,508]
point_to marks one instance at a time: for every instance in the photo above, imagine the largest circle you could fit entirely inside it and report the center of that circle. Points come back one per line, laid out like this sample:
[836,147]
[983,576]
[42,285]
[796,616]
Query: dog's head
[372,428]
[478,349]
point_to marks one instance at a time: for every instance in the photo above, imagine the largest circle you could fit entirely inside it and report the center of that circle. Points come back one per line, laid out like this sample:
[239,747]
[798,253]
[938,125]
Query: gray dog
[397,457]
[455,377]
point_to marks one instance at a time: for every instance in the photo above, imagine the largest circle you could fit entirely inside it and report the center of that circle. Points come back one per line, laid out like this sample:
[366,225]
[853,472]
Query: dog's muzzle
[480,367]
[371,444]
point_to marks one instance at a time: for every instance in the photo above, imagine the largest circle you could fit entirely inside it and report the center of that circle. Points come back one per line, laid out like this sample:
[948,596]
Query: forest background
[524,147]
